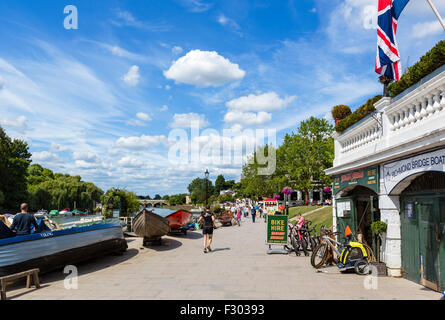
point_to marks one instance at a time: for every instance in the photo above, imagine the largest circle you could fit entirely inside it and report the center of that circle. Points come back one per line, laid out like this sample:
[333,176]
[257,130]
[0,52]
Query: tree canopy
[14,161]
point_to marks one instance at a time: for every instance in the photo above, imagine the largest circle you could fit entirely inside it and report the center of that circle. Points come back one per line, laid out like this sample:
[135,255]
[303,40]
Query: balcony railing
[416,112]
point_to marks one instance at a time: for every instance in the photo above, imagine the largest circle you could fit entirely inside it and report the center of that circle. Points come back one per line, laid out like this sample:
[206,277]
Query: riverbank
[237,268]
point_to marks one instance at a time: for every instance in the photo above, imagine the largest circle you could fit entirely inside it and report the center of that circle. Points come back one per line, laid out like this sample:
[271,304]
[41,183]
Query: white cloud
[143,116]
[197,6]
[86,165]
[163,108]
[185,120]
[264,102]
[126,18]
[167,87]
[141,142]
[132,77]
[177,50]
[230,23]
[247,118]
[204,69]
[85,156]
[57,147]
[129,162]
[20,123]
[426,29]
[44,156]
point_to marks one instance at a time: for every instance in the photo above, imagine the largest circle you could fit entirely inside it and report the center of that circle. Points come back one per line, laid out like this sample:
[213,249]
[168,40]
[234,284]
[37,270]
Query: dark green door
[429,250]
[423,240]
[345,216]
[441,244]
[410,240]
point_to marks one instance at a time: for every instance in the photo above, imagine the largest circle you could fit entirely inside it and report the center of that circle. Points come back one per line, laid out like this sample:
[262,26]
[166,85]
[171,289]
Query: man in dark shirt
[22,221]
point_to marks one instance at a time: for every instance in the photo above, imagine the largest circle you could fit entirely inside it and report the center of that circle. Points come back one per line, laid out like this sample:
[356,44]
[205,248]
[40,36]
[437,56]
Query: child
[300,221]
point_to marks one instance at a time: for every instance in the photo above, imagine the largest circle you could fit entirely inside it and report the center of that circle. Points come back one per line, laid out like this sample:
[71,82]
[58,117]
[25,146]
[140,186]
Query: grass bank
[319,218]
[294,211]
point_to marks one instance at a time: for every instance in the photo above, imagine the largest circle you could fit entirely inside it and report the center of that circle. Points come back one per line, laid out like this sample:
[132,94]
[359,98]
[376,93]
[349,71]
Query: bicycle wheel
[319,255]
[361,267]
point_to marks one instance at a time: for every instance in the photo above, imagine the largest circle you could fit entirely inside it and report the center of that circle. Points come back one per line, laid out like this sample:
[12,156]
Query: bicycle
[297,241]
[351,255]
[307,232]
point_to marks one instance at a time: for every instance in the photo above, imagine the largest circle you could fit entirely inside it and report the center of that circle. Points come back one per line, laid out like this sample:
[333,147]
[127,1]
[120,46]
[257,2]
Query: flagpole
[436,13]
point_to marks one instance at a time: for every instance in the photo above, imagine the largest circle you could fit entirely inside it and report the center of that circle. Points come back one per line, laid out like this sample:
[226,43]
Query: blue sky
[102,100]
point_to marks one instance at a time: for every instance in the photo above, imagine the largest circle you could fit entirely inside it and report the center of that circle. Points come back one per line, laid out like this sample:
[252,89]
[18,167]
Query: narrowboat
[54,249]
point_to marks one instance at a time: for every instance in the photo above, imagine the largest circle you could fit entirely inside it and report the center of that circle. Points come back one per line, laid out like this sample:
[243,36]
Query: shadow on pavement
[189,235]
[220,249]
[167,244]
[85,267]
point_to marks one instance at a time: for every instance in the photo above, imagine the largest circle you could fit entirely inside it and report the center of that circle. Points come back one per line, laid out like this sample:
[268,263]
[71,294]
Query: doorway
[423,230]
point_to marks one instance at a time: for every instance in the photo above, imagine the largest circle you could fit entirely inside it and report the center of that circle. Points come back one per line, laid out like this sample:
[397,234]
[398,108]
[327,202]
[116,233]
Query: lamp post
[286,196]
[207,177]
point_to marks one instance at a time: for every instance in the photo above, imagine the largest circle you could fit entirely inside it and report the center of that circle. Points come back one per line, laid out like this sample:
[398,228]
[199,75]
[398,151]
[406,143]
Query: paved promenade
[238,268]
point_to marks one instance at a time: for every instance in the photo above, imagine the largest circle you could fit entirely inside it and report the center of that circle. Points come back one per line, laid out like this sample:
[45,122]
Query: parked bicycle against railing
[347,256]
[297,241]
[310,236]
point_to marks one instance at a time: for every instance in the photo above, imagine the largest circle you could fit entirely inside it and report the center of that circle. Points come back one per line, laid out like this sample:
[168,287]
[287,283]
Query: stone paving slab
[237,268]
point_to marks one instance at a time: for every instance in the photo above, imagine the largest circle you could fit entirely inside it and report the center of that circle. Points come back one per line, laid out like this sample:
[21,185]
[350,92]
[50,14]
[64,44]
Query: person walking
[208,220]
[238,217]
[22,221]
[253,213]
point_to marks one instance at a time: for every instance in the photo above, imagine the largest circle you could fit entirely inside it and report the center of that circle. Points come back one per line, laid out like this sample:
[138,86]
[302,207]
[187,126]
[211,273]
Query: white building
[393,161]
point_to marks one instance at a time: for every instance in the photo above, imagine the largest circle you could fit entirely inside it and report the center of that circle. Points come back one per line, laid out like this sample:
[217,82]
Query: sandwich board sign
[277,232]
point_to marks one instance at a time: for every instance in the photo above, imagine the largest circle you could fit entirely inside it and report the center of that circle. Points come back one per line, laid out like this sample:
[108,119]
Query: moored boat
[65,212]
[226,218]
[51,250]
[150,226]
[178,219]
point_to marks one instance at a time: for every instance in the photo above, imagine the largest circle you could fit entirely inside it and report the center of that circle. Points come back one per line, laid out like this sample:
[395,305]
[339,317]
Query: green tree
[177,199]
[14,163]
[157,197]
[220,184]
[197,189]
[306,154]
[115,199]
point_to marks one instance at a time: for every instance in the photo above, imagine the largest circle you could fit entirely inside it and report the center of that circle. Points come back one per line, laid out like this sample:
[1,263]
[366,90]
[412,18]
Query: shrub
[379,227]
[432,60]
[358,114]
[341,111]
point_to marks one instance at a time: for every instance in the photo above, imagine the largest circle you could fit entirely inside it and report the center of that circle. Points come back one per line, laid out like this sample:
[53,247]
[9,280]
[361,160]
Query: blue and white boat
[51,250]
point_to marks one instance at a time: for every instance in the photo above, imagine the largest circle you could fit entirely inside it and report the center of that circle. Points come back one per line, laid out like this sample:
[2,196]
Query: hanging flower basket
[287,190]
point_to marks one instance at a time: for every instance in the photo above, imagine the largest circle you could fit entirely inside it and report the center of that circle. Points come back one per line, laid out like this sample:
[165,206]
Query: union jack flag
[388,58]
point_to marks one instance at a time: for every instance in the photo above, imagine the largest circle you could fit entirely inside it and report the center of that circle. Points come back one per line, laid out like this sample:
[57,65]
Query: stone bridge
[154,203]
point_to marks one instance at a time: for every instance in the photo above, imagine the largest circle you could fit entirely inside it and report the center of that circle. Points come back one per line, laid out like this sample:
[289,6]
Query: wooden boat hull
[226,218]
[55,249]
[179,219]
[149,225]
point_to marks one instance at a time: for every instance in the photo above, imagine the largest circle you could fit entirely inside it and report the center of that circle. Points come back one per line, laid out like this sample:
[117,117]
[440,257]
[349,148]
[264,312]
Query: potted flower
[379,228]
[340,112]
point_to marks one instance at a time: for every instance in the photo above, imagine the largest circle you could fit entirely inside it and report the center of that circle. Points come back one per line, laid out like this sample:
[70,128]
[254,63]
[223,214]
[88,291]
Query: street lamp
[286,200]
[207,177]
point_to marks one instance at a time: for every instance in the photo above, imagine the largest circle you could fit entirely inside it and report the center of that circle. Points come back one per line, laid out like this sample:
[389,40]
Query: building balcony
[412,121]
